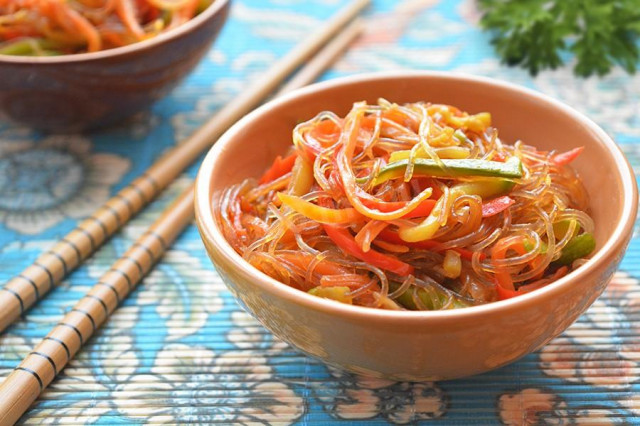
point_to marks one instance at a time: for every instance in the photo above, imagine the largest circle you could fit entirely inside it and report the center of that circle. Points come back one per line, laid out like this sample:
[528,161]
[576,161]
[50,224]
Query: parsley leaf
[539,34]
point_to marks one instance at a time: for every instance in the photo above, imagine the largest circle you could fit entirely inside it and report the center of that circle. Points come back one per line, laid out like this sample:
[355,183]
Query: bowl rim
[213,237]
[193,23]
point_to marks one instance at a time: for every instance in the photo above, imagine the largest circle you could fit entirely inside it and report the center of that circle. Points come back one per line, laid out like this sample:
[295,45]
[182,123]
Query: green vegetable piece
[21,48]
[202,5]
[452,168]
[528,246]
[425,295]
[29,47]
[485,188]
[538,34]
[560,228]
[579,246]
[337,293]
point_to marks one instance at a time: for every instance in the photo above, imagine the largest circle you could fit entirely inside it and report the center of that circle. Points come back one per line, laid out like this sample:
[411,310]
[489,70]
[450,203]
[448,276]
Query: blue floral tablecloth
[180,350]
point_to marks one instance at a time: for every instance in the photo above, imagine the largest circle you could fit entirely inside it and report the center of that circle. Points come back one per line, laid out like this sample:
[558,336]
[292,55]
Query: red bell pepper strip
[280,167]
[146,11]
[343,239]
[393,237]
[499,156]
[496,205]
[566,157]
[504,293]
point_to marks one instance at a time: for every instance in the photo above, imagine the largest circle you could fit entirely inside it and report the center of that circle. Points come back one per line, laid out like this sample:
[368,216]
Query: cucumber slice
[512,168]
[579,246]
[485,188]
[432,299]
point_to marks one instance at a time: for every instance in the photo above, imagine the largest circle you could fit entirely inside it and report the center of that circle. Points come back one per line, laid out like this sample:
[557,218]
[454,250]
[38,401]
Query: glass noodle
[419,206]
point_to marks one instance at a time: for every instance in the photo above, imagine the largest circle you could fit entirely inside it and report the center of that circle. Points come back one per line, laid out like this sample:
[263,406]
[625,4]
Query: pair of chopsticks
[21,388]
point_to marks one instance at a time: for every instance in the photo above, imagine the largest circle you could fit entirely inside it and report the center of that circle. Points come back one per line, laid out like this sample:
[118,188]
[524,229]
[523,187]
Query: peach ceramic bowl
[422,345]
[88,90]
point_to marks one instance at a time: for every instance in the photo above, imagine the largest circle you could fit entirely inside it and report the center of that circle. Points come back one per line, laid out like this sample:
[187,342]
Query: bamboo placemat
[181,350]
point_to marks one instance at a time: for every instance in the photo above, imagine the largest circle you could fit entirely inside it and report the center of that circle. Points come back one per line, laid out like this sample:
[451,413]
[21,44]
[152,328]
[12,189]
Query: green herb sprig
[537,34]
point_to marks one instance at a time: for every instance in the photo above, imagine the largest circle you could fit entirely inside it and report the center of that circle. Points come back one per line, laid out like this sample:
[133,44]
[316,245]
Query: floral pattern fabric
[179,350]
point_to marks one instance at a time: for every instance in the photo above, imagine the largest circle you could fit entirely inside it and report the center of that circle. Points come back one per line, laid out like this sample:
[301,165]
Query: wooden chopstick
[24,290]
[21,388]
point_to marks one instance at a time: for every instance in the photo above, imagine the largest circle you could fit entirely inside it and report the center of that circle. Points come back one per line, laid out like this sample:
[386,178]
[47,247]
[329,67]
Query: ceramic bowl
[422,345]
[88,90]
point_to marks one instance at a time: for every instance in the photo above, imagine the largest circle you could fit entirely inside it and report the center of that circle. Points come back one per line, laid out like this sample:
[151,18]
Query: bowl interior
[518,114]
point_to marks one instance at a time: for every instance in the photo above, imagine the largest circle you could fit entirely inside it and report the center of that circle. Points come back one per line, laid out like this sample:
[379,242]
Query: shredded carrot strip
[88,31]
[126,11]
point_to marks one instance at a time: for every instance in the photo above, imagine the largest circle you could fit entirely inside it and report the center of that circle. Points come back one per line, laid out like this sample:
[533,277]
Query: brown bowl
[422,345]
[88,90]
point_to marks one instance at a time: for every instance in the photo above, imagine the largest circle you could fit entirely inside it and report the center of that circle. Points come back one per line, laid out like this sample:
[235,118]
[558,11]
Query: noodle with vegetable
[59,27]
[418,206]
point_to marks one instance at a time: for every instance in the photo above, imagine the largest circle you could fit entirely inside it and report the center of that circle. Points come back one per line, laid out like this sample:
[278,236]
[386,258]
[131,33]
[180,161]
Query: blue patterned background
[180,350]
